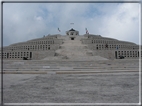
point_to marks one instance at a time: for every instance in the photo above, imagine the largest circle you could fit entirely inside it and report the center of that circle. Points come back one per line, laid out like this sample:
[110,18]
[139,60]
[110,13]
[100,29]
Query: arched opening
[116,54]
[72,38]
[7,55]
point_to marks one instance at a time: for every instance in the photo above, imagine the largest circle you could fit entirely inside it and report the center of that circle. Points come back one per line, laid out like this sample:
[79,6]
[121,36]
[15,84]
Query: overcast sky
[26,21]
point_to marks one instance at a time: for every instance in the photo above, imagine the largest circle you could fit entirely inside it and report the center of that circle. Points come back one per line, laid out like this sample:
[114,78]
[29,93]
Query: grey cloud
[25,22]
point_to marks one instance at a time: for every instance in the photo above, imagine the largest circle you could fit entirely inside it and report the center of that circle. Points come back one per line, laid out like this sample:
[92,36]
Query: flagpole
[86,31]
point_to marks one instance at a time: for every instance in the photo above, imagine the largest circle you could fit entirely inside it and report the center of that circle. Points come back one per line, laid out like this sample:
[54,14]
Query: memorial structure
[67,68]
[71,46]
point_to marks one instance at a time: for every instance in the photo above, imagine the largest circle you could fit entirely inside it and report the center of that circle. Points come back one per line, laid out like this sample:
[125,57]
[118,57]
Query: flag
[59,30]
[87,31]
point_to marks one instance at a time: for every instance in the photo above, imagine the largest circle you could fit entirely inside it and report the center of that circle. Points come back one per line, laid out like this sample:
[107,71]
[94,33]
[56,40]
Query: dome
[72,29]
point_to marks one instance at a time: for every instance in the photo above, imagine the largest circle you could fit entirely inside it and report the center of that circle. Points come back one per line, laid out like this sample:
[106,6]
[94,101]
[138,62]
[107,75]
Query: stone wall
[33,48]
[111,48]
[37,55]
[114,54]
[109,54]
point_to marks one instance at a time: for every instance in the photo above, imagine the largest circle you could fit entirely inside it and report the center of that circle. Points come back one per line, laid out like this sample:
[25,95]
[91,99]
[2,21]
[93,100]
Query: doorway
[7,55]
[30,55]
[116,54]
[72,38]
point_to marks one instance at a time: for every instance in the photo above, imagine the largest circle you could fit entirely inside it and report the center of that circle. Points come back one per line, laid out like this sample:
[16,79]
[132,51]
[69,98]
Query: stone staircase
[102,65]
[74,50]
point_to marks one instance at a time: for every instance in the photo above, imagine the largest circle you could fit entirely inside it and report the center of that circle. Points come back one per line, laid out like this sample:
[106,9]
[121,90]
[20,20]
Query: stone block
[46,67]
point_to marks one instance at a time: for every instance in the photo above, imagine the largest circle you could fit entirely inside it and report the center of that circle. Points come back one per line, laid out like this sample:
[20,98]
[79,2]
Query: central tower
[72,33]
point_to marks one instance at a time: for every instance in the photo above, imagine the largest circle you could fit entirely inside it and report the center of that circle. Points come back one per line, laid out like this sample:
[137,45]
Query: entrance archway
[72,38]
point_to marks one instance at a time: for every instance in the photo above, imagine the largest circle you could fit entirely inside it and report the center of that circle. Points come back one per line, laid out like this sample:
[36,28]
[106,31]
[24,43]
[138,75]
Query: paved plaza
[103,81]
[72,88]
